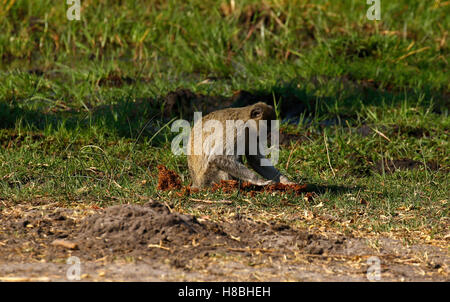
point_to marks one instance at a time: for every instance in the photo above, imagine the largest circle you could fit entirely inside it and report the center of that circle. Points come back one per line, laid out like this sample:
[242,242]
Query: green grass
[67,136]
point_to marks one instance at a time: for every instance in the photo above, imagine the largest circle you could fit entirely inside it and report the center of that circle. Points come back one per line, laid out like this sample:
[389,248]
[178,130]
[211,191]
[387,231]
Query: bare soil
[170,180]
[228,186]
[152,242]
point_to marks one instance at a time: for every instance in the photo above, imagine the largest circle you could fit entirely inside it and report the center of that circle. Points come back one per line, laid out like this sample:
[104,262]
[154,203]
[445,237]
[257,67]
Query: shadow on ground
[128,118]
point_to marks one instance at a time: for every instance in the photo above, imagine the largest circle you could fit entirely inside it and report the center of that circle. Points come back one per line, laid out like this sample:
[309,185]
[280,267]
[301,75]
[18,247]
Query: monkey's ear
[256,112]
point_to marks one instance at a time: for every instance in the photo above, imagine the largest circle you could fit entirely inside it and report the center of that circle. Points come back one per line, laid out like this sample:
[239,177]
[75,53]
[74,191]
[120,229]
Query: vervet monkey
[210,162]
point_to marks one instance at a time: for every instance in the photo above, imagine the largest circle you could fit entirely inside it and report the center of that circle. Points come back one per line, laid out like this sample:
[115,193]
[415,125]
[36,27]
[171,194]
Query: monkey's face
[262,111]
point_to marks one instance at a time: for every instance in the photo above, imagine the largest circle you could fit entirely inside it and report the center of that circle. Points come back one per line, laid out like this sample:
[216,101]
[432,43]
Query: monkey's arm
[238,170]
[268,172]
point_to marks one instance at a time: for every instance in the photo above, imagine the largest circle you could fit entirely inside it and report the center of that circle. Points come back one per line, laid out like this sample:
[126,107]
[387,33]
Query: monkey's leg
[217,176]
[269,172]
[238,170]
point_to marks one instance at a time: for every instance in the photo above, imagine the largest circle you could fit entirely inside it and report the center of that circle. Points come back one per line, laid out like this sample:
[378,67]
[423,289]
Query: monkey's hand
[285,181]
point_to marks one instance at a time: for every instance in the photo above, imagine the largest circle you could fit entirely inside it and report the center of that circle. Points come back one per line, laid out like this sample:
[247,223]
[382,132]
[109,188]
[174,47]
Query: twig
[159,247]
[328,154]
[381,134]
[290,154]
[244,250]
[411,53]
[211,201]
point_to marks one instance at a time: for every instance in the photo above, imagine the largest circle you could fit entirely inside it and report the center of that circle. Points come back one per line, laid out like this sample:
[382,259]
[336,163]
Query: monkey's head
[262,111]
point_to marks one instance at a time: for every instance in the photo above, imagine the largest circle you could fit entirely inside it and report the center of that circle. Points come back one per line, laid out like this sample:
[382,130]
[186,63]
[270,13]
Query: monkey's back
[199,163]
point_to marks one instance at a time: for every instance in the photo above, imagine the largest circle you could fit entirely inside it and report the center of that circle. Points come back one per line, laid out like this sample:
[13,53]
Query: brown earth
[170,180]
[228,186]
[153,242]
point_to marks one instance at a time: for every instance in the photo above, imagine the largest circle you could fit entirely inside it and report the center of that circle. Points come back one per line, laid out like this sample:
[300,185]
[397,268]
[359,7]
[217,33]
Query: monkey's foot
[285,181]
[264,182]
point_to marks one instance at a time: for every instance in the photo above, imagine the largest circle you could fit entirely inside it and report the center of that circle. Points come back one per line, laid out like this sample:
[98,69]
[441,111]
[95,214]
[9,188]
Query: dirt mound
[180,245]
[153,230]
[127,228]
